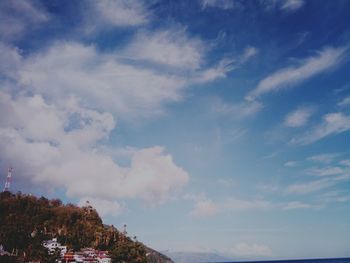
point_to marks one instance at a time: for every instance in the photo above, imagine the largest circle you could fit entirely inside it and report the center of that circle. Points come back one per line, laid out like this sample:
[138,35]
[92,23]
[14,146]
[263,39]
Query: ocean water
[323,260]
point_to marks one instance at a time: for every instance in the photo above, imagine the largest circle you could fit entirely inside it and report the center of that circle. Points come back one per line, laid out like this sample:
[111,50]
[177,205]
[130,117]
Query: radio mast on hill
[8,179]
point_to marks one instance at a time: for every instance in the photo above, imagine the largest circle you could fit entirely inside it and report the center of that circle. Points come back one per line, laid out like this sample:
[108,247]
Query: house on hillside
[52,245]
[86,255]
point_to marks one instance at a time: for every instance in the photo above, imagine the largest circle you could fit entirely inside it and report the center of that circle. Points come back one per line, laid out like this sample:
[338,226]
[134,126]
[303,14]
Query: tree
[128,252]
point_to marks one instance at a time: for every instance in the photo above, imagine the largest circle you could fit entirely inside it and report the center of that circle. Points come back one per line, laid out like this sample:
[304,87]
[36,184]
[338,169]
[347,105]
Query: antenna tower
[124,231]
[8,179]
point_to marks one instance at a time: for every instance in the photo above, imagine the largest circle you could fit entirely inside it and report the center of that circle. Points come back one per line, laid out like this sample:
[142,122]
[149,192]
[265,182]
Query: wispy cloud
[287,6]
[168,47]
[298,205]
[344,102]
[17,17]
[309,187]
[335,196]
[118,13]
[292,5]
[323,158]
[99,79]
[320,184]
[333,123]
[290,164]
[299,117]
[205,207]
[236,111]
[325,171]
[326,59]
[345,162]
[223,4]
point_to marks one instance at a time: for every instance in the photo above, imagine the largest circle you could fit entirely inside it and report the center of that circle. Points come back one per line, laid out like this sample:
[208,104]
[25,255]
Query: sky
[206,125]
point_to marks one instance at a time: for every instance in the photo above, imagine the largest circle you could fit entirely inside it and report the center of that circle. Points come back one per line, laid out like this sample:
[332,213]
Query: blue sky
[208,126]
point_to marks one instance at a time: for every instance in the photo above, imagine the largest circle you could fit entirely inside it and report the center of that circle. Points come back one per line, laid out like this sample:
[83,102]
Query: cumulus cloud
[299,117]
[246,250]
[57,146]
[333,123]
[325,59]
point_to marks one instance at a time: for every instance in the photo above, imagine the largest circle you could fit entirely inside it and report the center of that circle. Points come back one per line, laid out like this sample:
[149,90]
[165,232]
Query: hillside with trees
[26,221]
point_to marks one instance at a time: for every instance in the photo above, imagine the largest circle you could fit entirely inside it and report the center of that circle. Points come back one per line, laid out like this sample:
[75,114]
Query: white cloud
[115,13]
[223,4]
[168,47]
[297,205]
[290,164]
[99,79]
[344,102]
[325,171]
[298,117]
[323,158]
[309,187]
[317,185]
[250,250]
[11,59]
[345,162]
[239,110]
[105,80]
[53,143]
[224,66]
[227,182]
[333,123]
[292,5]
[282,5]
[205,207]
[249,52]
[326,59]
[234,204]
[18,17]
[335,196]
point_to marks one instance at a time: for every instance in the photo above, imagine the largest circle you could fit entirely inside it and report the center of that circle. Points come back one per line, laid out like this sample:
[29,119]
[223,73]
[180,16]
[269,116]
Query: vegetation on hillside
[26,221]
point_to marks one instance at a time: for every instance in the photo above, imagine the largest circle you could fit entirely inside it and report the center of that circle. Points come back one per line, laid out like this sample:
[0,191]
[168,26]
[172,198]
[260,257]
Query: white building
[52,245]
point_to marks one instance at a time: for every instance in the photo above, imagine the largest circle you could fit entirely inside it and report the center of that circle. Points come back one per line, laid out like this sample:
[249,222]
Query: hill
[26,221]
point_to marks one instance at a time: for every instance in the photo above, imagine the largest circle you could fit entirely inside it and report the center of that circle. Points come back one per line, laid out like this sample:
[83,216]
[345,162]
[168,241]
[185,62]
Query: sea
[323,260]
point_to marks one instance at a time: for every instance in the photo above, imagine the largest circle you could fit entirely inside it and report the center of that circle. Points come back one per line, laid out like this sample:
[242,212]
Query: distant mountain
[196,257]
